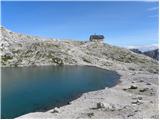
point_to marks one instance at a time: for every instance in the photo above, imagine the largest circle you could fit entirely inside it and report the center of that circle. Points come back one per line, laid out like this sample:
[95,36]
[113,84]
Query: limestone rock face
[23,50]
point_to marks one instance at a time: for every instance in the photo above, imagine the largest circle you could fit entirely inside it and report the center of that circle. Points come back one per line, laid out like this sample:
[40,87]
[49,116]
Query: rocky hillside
[23,50]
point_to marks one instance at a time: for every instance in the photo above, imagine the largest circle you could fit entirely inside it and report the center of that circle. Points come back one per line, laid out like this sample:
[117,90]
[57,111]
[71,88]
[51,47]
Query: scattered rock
[90,114]
[148,83]
[133,87]
[143,90]
[130,68]
[137,98]
[55,110]
[141,81]
[106,106]
[68,103]
[137,102]
[130,115]
[140,98]
[112,108]
[124,89]
[136,110]
[101,105]
[151,101]
[151,93]
[155,116]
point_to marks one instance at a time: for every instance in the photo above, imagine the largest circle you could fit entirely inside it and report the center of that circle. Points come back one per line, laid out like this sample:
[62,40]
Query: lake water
[31,89]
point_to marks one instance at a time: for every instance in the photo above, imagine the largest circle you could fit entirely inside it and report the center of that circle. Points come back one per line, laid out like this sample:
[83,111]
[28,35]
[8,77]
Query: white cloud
[144,47]
[153,9]
[153,16]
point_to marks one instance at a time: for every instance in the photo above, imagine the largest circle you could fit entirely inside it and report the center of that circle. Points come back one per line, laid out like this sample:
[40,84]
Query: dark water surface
[31,89]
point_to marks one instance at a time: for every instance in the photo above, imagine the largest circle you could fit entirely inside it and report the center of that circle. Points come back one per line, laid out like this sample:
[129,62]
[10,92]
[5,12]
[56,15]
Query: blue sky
[122,23]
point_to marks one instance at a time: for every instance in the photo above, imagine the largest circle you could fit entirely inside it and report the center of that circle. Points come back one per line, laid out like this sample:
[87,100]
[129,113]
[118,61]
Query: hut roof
[96,37]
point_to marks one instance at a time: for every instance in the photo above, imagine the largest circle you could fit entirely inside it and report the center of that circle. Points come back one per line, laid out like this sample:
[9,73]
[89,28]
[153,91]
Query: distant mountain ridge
[151,53]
